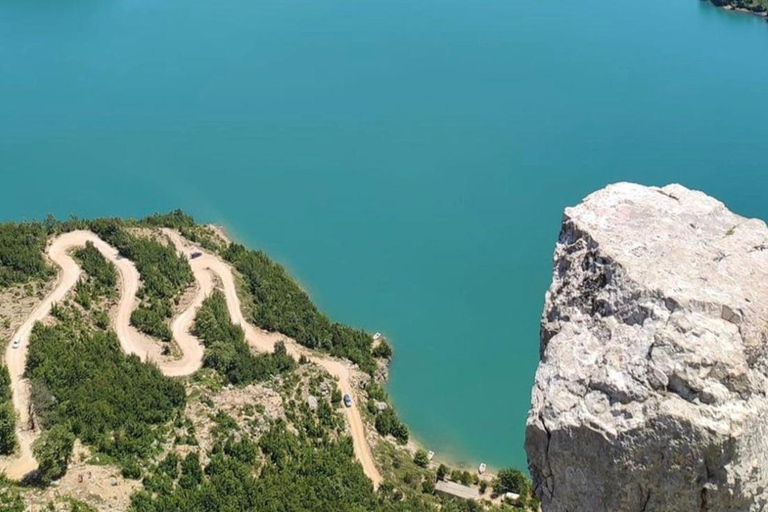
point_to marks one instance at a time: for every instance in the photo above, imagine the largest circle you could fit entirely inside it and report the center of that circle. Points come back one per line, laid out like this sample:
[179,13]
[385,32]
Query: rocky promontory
[651,390]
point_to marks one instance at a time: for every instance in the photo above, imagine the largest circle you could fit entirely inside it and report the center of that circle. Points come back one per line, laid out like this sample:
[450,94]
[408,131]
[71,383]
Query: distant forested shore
[757,7]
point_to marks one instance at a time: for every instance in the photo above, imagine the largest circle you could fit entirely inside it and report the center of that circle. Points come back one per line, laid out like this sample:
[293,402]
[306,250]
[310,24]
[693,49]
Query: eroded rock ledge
[651,390]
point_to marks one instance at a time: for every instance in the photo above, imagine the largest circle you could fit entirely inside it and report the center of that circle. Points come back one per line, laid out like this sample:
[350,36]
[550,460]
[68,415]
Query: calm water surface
[408,160]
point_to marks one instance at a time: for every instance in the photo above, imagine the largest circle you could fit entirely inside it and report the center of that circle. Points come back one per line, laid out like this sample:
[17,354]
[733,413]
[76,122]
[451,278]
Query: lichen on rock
[651,390]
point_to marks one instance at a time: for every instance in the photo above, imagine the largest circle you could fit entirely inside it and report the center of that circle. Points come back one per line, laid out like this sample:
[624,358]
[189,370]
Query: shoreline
[453,461]
[445,458]
[415,443]
[732,8]
[223,232]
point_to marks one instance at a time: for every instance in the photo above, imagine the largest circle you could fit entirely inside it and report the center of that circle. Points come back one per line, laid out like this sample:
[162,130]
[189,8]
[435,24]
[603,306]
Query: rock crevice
[651,390]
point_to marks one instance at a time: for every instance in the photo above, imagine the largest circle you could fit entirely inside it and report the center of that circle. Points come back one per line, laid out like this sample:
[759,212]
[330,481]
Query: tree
[442,470]
[512,480]
[52,451]
[387,423]
[421,458]
[7,414]
[382,350]
[191,473]
[7,428]
[428,486]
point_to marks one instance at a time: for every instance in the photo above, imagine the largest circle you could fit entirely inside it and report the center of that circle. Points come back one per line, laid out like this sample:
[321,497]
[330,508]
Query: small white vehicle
[16,343]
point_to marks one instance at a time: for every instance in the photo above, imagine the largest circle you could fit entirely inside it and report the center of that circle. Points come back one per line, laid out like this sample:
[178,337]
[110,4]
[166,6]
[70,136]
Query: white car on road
[16,343]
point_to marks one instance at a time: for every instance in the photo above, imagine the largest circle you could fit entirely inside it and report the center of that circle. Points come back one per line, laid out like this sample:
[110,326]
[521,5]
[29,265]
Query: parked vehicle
[16,343]
[195,254]
[347,400]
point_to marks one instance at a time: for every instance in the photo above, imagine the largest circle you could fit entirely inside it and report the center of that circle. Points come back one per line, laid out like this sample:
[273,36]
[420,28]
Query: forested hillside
[226,349]
[248,432]
[164,275]
[85,385]
[279,304]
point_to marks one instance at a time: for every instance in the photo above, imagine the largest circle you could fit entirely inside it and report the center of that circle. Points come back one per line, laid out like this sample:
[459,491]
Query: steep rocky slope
[651,390]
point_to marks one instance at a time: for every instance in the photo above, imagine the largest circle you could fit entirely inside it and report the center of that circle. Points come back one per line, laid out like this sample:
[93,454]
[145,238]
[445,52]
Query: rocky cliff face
[651,390]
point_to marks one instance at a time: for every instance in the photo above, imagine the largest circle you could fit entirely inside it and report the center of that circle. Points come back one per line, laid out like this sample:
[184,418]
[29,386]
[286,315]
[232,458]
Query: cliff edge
[651,390]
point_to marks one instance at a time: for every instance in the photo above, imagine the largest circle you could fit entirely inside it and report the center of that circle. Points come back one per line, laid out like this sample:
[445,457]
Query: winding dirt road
[134,342]
[264,341]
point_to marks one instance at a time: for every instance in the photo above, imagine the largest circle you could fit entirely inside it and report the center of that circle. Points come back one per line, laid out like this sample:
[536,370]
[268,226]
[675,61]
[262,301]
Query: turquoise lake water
[408,161]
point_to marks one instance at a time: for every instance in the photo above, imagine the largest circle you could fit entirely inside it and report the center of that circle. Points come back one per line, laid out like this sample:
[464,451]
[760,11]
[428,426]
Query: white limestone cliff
[651,390]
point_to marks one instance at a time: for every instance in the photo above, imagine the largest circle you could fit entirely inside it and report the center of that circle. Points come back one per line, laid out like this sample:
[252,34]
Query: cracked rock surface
[651,390]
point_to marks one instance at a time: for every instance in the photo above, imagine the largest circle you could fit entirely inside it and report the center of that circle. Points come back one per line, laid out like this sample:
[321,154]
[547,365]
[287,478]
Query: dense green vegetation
[83,383]
[296,476]
[386,421]
[52,451]
[99,279]
[388,424]
[283,472]
[164,275]
[21,253]
[7,414]
[227,351]
[186,225]
[99,272]
[279,304]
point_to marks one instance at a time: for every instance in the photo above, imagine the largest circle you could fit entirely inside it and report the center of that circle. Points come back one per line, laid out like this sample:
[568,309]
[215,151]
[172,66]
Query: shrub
[383,350]
[421,458]
[21,253]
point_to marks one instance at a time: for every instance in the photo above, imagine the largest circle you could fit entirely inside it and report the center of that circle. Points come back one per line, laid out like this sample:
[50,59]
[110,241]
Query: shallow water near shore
[407,161]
